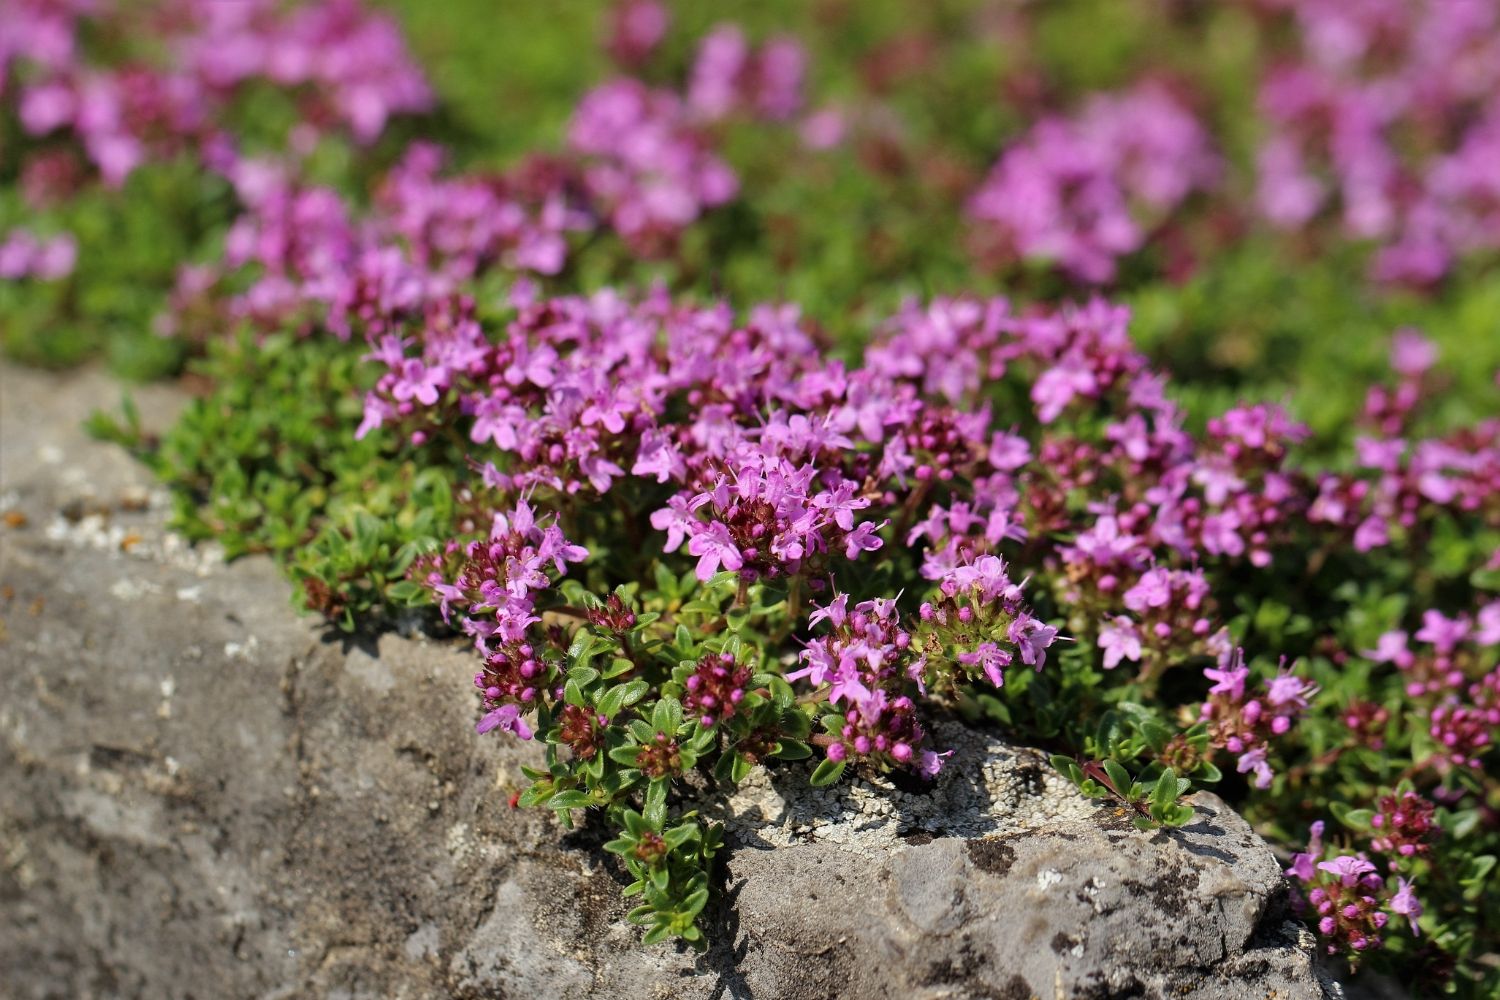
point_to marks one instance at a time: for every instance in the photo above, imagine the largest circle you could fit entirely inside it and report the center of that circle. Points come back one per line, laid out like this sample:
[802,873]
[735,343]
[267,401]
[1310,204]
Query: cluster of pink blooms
[1349,898]
[1403,826]
[493,581]
[647,164]
[23,254]
[1160,502]
[1463,716]
[313,261]
[1345,893]
[1086,190]
[649,167]
[771,461]
[715,688]
[347,68]
[636,28]
[1244,724]
[867,662]
[1385,113]
[1390,114]
[730,77]
[638,163]
[1402,484]
[639,159]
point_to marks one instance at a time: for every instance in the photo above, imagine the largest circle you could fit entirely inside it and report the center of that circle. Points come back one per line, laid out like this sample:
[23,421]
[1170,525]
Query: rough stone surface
[207,796]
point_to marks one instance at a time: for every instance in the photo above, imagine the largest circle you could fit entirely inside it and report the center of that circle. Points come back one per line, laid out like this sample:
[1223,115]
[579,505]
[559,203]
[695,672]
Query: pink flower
[1347,867]
[506,717]
[1405,903]
[1120,641]
[713,545]
[1411,353]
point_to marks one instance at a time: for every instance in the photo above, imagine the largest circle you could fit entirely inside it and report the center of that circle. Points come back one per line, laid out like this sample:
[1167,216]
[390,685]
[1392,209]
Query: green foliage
[265,462]
[130,244]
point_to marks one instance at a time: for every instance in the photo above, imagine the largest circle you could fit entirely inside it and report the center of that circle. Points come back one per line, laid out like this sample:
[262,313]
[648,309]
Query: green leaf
[826,773]
[619,666]
[583,646]
[612,701]
[571,799]
[1475,879]
[656,803]
[626,754]
[792,750]
[1165,793]
[583,675]
[635,690]
[679,835]
[666,716]
[1357,819]
[1119,776]
[1206,773]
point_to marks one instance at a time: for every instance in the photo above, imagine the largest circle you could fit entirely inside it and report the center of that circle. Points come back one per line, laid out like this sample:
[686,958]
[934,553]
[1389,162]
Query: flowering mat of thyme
[1121,375]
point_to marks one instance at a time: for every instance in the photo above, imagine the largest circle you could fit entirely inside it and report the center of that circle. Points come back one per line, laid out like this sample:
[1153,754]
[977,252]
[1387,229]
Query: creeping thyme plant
[767,392]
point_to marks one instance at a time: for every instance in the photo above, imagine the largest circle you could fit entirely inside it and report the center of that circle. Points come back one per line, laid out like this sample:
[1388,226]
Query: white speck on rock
[126,589]
[1047,878]
[241,651]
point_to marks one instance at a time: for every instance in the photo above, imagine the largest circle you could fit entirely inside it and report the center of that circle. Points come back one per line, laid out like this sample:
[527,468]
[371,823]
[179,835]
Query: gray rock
[208,796]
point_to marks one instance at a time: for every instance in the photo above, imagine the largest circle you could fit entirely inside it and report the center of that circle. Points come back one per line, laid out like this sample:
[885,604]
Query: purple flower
[991,659]
[506,717]
[714,546]
[1032,637]
[1443,632]
[1347,867]
[1289,693]
[1120,641]
[932,762]
[1255,761]
[1405,903]
[862,539]
[1302,866]
[1391,648]
[1411,353]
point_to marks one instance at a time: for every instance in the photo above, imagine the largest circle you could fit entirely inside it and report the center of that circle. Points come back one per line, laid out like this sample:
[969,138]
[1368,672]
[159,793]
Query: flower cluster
[23,254]
[346,66]
[1383,116]
[1084,191]
[491,583]
[715,688]
[729,77]
[765,461]
[1243,724]
[1388,113]
[645,163]
[314,264]
[1350,902]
